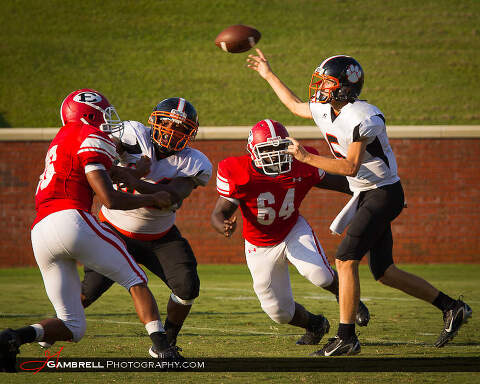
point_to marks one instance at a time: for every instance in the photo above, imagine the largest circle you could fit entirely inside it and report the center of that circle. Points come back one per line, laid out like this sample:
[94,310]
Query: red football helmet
[268,145]
[90,107]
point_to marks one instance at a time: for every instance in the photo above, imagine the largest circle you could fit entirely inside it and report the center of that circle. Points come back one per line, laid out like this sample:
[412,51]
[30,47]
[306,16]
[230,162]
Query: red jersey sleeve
[225,184]
[97,148]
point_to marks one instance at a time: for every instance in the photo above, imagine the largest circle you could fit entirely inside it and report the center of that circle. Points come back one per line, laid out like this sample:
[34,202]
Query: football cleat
[171,353]
[336,347]
[363,315]
[45,345]
[454,318]
[9,348]
[320,326]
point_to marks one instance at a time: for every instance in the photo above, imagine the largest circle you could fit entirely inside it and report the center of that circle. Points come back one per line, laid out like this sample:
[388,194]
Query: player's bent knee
[320,277]
[77,327]
[187,288]
[279,315]
[181,301]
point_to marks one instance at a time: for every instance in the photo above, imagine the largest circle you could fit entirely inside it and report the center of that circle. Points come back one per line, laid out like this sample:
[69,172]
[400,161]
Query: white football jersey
[359,121]
[188,162]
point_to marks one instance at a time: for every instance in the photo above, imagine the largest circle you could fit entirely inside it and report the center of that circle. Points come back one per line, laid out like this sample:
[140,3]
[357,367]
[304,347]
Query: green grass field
[421,59]
[227,321]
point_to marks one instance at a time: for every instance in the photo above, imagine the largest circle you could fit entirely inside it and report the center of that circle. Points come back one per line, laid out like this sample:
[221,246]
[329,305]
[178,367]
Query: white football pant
[66,237]
[269,269]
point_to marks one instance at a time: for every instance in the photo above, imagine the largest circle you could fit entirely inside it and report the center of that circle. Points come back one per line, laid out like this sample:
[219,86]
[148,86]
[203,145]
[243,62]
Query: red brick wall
[440,178]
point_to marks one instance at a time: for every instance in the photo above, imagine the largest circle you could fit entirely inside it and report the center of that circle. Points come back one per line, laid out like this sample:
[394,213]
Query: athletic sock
[345,331]
[27,334]
[443,302]
[157,335]
[311,318]
[172,331]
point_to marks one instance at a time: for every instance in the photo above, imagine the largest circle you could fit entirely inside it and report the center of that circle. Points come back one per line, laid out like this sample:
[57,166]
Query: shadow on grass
[393,344]
[4,123]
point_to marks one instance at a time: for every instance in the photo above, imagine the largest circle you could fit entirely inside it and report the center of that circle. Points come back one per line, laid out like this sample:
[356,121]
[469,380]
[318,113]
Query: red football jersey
[269,204]
[63,184]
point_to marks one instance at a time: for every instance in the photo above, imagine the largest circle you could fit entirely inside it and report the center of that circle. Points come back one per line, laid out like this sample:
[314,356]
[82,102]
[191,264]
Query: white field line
[330,297]
[208,288]
[230,330]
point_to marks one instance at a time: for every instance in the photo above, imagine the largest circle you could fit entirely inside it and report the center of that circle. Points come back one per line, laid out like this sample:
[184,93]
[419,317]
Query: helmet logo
[250,137]
[87,97]
[353,73]
[178,116]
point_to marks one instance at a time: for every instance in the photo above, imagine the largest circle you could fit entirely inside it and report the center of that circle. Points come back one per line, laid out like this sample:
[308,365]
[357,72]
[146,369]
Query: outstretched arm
[222,219]
[142,168]
[101,184]
[287,97]
[347,167]
[178,188]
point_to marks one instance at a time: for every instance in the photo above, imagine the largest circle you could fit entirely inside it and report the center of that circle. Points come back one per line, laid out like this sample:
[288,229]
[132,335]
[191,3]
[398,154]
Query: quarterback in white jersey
[359,121]
[150,233]
[356,134]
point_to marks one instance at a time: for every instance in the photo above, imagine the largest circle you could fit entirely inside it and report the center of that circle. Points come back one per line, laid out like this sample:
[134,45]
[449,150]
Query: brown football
[237,38]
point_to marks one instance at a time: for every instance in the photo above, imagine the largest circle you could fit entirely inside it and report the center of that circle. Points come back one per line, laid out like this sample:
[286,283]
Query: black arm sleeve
[337,183]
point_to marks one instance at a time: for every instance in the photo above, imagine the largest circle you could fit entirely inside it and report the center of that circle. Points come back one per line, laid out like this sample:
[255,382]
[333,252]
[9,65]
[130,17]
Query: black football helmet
[337,78]
[174,122]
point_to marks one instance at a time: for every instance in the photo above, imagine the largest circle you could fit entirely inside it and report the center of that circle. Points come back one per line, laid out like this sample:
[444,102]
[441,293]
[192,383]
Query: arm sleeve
[133,141]
[369,129]
[225,185]
[98,149]
[94,167]
[198,167]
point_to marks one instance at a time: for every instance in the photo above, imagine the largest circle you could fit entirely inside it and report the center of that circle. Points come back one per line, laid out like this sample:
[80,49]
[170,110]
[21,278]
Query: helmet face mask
[338,78]
[322,90]
[174,123]
[267,145]
[113,124]
[91,107]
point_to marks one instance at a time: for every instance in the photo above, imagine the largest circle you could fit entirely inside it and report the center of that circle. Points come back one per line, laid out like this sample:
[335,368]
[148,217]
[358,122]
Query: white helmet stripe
[61,109]
[181,105]
[330,58]
[272,128]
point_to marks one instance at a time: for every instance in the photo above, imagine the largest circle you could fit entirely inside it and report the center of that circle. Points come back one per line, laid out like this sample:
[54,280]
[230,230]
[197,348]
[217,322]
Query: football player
[150,233]
[64,231]
[269,188]
[356,134]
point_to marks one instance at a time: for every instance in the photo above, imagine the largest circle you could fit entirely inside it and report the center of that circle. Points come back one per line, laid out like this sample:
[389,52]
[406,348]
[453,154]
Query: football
[237,38]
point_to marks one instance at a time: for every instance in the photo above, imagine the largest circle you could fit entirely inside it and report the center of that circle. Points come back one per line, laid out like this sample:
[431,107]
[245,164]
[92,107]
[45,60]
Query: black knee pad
[186,286]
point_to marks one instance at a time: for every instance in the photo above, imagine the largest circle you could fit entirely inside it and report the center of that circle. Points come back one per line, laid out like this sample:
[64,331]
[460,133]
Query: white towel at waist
[345,216]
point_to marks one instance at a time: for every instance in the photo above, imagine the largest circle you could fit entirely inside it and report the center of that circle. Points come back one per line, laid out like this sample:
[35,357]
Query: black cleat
[320,326]
[363,315]
[9,348]
[454,318]
[336,347]
[171,353]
